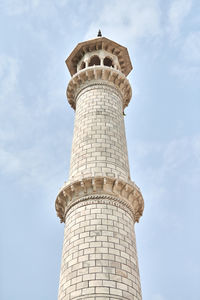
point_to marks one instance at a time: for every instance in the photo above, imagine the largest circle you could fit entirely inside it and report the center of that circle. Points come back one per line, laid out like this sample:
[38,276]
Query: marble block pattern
[99,204]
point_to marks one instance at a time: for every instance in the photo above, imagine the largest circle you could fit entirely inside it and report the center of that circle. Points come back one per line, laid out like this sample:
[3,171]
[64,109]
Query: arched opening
[82,65]
[95,60]
[108,62]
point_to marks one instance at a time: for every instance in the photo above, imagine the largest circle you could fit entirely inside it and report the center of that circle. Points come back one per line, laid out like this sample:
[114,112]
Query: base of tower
[99,259]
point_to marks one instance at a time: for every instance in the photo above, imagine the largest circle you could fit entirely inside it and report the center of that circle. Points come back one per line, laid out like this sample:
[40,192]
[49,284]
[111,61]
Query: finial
[99,33]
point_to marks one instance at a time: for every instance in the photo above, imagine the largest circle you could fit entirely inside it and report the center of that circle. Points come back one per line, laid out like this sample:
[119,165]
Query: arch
[108,62]
[94,61]
[82,66]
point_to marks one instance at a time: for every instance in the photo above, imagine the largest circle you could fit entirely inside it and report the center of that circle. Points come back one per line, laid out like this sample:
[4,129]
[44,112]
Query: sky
[162,127]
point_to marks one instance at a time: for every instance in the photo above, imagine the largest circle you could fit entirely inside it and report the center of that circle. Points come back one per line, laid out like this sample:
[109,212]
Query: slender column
[99,204]
[99,142]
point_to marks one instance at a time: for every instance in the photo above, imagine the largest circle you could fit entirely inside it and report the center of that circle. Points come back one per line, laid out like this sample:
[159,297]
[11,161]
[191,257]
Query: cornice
[99,189]
[100,43]
[99,75]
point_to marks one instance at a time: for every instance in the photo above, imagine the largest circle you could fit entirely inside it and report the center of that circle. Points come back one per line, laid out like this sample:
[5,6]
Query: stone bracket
[96,187]
[100,74]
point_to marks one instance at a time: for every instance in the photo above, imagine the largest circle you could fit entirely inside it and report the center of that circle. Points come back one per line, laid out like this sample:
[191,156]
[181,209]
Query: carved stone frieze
[97,189]
[99,75]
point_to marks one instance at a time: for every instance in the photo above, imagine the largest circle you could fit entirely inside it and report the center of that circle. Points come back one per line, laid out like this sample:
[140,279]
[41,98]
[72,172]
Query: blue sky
[162,126]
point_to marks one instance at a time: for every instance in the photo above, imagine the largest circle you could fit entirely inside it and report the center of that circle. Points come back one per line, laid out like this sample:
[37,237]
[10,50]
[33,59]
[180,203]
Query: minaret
[99,204]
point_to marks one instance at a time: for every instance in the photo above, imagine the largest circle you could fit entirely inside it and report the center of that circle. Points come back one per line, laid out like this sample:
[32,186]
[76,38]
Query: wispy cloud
[156,162]
[26,148]
[142,22]
[9,163]
[129,20]
[178,11]
[157,297]
[188,63]
[191,48]
[9,69]
[18,7]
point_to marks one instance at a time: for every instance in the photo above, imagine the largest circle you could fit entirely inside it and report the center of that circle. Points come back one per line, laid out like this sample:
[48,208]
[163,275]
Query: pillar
[99,204]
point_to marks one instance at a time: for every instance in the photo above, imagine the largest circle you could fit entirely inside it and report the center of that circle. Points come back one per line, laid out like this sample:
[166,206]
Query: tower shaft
[99,142]
[99,204]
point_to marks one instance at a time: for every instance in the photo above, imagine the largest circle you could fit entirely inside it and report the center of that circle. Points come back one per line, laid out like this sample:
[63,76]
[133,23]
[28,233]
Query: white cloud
[19,7]
[196,148]
[128,20]
[8,162]
[26,148]
[178,10]
[166,174]
[188,64]
[16,7]
[12,106]
[191,48]
[176,153]
[186,72]
[9,69]
[158,297]
[156,162]
[186,40]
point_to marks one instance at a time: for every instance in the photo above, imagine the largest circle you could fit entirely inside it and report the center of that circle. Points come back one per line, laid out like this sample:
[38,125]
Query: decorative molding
[98,190]
[99,296]
[97,84]
[100,199]
[99,75]
[100,43]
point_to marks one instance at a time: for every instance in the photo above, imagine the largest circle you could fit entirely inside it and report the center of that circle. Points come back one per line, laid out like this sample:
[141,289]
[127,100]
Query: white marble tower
[99,204]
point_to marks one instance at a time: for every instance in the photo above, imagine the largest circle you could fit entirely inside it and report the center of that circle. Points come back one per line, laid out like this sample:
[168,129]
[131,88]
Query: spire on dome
[99,33]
